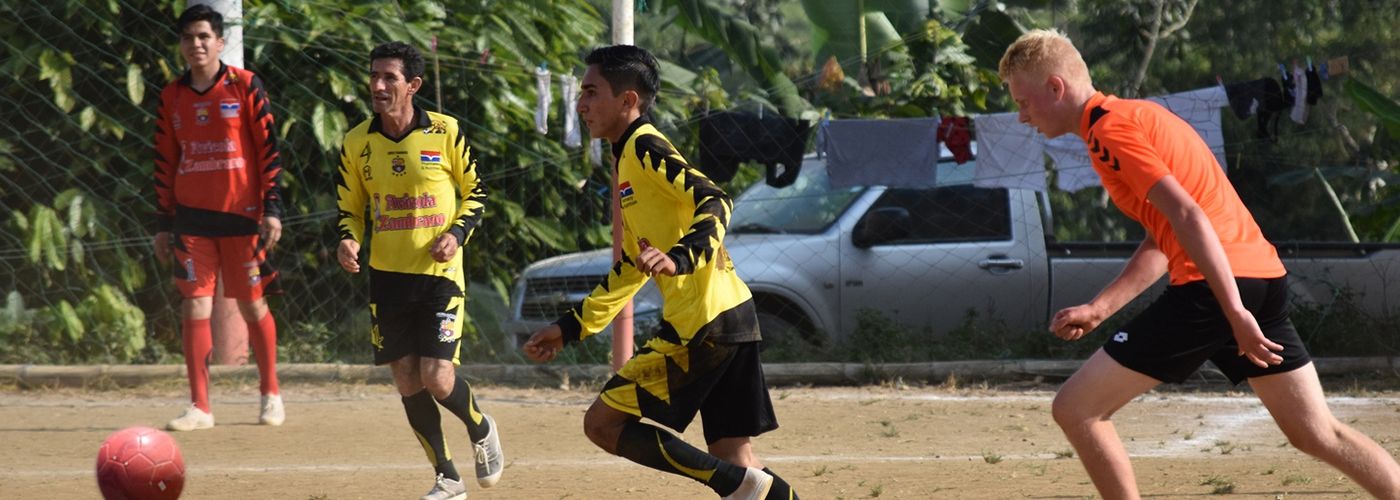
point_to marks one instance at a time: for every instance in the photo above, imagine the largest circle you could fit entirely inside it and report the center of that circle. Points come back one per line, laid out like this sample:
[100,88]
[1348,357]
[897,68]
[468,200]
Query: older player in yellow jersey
[1227,301]
[413,169]
[704,357]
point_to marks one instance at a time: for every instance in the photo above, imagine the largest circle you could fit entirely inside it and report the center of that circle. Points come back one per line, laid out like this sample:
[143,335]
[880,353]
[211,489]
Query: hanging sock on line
[543,97]
[568,92]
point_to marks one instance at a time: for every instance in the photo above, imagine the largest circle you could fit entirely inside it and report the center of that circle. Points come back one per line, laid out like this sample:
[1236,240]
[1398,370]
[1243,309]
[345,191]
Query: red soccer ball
[140,463]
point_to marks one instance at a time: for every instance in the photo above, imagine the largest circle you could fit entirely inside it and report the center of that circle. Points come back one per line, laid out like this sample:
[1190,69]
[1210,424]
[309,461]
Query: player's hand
[349,255]
[445,248]
[652,262]
[163,246]
[1071,323]
[270,231]
[1253,345]
[545,344]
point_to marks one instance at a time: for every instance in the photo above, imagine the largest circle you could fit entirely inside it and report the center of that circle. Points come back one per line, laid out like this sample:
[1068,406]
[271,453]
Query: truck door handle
[1001,262]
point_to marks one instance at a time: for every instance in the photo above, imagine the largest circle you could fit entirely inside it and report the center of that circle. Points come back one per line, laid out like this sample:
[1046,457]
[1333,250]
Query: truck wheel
[782,325]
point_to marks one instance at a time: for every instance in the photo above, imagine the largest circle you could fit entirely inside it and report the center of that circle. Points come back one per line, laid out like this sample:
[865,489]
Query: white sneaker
[489,457]
[272,411]
[193,419]
[446,489]
[755,486]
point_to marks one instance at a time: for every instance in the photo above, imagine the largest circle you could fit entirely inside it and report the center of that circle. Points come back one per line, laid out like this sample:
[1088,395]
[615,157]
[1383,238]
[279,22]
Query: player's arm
[1144,268]
[1196,234]
[350,199]
[473,202]
[263,130]
[591,315]
[666,169]
[167,160]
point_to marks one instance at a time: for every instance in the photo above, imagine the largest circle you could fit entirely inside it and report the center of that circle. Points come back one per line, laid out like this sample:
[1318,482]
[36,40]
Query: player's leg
[1083,408]
[195,273]
[439,354]
[398,332]
[645,387]
[245,281]
[1295,400]
[738,408]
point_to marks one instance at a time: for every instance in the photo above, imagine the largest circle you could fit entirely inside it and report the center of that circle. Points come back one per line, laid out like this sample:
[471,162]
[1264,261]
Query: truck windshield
[808,206]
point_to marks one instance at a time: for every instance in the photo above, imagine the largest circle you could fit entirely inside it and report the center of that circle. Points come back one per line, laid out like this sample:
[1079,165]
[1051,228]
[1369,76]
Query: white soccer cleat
[272,411]
[193,419]
[490,459]
[446,489]
[755,486]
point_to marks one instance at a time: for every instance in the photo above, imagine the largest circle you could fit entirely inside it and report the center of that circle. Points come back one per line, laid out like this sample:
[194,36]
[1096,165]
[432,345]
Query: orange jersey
[217,161]
[1134,144]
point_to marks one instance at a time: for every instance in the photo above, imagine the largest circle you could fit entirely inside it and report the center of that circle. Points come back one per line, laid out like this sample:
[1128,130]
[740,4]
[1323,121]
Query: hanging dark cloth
[729,138]
[1263,97]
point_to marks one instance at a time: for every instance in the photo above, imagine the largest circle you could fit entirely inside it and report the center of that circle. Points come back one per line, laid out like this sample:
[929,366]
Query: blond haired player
[1227,301]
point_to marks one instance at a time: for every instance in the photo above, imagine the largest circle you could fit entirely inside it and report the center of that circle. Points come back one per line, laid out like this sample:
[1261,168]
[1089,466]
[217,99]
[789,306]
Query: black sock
[426,422]
[461,403]
[663,451]
[781,489]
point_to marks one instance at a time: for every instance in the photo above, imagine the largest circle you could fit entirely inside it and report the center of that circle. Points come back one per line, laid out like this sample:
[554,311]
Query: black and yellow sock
[426,422]
[781,489]
[663,451]
[461,403]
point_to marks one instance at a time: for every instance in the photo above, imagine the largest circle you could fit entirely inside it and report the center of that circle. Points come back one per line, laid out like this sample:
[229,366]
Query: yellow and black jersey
[668,205]
[417,187]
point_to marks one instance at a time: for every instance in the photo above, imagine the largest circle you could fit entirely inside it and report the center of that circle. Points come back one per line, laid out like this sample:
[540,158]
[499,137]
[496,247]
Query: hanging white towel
[1009,153]
[568,85]
[1201,109]
[1073,168]
[1300,94]
[542,100]
[595,152]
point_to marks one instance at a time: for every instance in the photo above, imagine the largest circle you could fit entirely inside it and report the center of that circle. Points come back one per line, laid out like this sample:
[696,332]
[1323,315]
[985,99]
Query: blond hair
[1040,53]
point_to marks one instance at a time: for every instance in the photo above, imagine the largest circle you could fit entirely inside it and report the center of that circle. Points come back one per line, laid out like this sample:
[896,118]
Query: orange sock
[198,345]
[263,336]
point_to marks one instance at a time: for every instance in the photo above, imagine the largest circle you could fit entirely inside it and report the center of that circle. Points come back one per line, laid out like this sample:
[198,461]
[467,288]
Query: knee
[437,385]
[1315,440]
[1070,416]
[601,431]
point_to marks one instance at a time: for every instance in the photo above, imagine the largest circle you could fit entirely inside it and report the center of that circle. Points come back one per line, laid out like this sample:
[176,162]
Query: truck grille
[549,298]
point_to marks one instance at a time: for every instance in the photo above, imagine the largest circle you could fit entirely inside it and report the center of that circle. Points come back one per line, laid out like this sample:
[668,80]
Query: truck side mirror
[881,225]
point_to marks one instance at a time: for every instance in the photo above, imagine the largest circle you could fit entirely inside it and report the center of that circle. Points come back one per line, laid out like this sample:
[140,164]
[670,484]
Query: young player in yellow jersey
[413,169]
[704,358]
[1228,294]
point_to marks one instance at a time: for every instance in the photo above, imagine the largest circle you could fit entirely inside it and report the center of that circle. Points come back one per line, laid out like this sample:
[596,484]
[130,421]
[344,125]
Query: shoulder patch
[655,147]
[1095,114]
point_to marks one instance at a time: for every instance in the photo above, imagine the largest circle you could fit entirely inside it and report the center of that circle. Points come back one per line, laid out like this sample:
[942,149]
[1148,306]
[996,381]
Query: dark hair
[628,67]
[199,13]
[405,53]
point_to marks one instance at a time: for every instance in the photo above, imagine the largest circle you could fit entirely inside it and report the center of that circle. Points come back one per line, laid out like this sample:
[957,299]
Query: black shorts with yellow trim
[669,383]
[430,329]
[1185,327]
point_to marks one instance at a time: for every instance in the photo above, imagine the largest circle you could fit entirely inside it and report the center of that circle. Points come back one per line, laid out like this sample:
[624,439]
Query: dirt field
[346,441]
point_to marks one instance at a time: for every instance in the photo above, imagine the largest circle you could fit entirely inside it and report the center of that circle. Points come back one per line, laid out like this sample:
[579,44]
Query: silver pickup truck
[817,257]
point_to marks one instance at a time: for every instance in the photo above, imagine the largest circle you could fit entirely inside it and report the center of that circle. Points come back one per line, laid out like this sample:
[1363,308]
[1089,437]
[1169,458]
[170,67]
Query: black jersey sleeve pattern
[712,205]
[473,192]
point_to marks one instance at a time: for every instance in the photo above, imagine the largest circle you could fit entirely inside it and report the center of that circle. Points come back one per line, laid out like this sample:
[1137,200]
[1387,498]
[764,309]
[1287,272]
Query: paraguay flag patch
[429,157]
[228,109]
[624,194]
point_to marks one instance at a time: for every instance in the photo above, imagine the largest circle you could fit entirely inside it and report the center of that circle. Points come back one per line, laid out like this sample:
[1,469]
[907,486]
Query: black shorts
[431,329]
[669,383]
[1185,327]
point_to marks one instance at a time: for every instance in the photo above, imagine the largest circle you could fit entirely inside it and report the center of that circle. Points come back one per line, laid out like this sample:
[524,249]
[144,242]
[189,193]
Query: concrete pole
[622,325]
[230,332]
